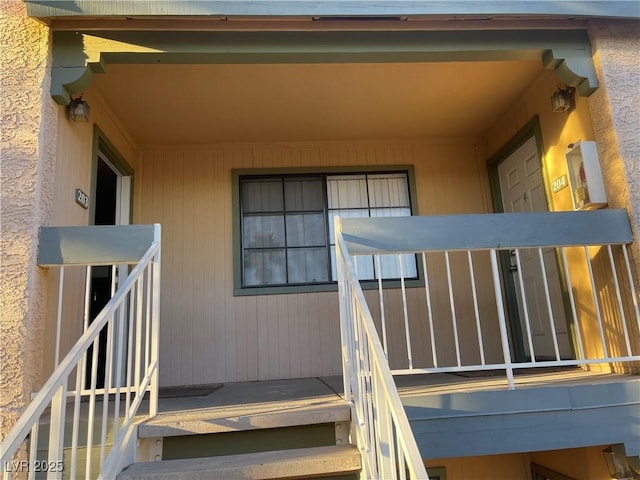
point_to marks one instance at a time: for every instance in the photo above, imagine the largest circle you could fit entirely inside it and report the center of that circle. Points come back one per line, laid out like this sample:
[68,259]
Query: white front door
[522,189]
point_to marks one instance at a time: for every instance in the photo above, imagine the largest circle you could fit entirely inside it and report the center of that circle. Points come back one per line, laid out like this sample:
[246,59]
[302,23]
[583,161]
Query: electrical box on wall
[585,176]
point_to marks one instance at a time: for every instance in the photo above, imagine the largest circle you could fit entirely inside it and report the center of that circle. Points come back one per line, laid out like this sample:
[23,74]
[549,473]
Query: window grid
[284,213]
[326,212]
[369,209]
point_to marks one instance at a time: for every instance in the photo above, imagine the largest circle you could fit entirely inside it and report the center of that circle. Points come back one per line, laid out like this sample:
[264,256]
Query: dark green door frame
[532,128]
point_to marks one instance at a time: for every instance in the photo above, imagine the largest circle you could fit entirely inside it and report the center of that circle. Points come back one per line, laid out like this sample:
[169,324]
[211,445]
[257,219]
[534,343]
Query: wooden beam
[47,9]
[78,55]
[253,24]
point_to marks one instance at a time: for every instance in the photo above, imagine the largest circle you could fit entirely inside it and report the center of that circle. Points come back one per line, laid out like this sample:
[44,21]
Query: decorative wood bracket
[77,56]
[574,68]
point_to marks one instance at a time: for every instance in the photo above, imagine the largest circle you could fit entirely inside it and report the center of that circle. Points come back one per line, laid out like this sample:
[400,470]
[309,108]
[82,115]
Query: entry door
[522,189]
[112,198]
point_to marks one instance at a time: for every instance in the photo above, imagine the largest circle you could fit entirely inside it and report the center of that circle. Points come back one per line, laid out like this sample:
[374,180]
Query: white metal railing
[383,434]
[71,425]
[455,318]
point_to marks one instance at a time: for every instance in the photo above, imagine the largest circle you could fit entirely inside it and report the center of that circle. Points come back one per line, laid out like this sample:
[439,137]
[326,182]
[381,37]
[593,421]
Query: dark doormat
[188,390]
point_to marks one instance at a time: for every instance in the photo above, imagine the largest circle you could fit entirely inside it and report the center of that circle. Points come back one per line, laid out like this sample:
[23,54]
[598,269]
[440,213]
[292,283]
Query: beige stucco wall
[615,108]
[44,157]
[28,132]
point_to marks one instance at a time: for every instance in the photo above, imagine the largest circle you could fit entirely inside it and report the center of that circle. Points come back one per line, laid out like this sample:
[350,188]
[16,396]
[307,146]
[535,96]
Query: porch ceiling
[298,102]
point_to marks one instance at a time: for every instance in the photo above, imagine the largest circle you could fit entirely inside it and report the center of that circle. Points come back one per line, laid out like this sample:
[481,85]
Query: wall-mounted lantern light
[79,110]
[563,100]
[619,465]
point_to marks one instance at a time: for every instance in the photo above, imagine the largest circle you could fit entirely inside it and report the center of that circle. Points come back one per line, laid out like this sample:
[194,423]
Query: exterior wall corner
[28,125]
[616,116]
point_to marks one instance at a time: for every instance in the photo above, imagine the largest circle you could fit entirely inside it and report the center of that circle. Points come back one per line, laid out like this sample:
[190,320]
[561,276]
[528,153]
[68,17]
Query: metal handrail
[383,433]
[53,394]
[584,253]
[444,318]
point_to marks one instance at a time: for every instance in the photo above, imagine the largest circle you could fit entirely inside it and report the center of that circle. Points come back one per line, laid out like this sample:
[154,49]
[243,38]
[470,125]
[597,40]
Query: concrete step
[297,463]
[81,466]
[217,420]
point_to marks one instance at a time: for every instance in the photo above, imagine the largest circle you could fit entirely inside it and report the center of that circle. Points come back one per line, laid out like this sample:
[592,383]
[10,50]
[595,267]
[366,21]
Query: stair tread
[297,463]
[216,420]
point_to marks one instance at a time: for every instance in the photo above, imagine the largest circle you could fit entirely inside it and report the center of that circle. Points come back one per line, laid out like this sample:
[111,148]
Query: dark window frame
[330,286]
[284,212]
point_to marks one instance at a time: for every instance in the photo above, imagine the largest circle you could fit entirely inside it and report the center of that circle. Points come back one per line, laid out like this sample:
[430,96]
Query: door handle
[514,262]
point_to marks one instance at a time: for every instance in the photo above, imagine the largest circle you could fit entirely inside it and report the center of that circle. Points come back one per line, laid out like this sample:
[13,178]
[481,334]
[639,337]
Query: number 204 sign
[559,183]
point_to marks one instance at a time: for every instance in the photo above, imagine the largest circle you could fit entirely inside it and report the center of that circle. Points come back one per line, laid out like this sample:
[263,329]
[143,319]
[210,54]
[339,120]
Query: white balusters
[130,321]
[434,354]
[383,434]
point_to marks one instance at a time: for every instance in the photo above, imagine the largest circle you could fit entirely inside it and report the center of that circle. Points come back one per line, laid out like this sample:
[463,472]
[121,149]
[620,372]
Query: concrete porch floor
[438,406]
[250,397]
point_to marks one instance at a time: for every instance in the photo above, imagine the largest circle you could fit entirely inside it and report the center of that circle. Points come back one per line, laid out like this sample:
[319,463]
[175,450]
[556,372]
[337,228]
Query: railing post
[634,293]
[85,320]
[405,311]
[155,326]
[75,429]
[434,353]
[547,297]
[525,306]
[623,317]
[342,297]
[33,449]
[139,340]
[376,406]
[506,351]
[383,320]
[476,311]
[56,360]
[452,306]
[56,431]
[596,302]
[53,395]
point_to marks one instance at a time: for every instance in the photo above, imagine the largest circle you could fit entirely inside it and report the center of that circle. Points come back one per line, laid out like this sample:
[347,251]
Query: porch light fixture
[563,99]
[79,110]
[618,463]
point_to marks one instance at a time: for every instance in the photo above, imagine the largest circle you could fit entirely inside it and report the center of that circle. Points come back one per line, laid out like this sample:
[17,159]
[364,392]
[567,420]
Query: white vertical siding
[207,334]
[73,170]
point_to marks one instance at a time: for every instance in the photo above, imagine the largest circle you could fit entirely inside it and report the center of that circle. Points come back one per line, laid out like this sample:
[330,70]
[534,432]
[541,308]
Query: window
[371,195]
[539,472]
[284,234]
[286,225]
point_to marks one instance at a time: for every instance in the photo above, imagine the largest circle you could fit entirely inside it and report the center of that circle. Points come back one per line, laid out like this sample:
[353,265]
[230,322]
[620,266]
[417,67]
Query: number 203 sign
[82,199]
